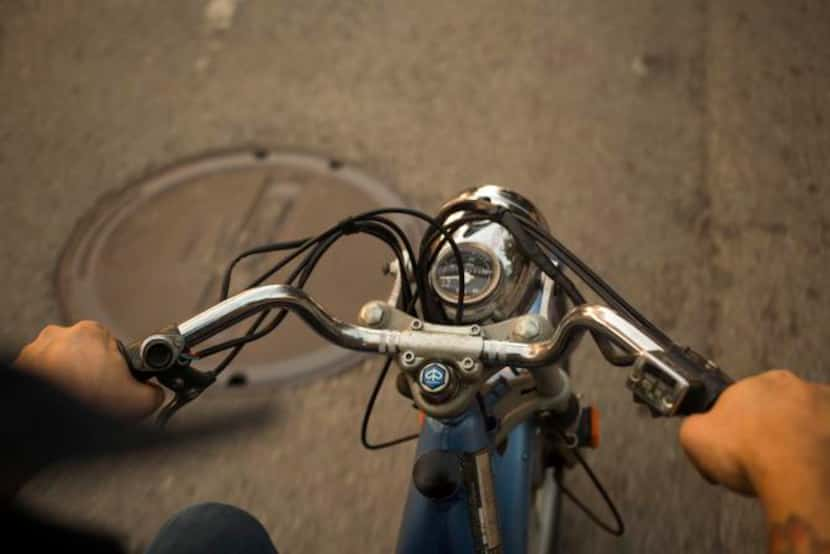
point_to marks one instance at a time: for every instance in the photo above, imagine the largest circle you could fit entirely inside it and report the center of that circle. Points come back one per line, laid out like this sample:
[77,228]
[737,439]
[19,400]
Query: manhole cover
[154,253]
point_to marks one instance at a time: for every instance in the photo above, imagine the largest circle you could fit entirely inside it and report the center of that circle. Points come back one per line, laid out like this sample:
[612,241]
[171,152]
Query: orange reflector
[422,417]
[594,427]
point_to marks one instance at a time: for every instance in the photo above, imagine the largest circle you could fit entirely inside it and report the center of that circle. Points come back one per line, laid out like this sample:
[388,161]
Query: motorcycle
[480,323]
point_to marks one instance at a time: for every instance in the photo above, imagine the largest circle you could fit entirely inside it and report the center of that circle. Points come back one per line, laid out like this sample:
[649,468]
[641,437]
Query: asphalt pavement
[681,148]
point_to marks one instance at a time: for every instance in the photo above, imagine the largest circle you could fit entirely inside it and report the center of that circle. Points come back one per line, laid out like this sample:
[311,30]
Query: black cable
[383,234]
[605,345]
[274,247]
[169,410]
[435,226]
[402,238]
[252,334]
[450,228]
[287,260]
[237,349]
[373,227]
[303,272]
[533,252]
[620,525]
[305,244]
[594,281]
[367,414]
[530,249]
[323,242]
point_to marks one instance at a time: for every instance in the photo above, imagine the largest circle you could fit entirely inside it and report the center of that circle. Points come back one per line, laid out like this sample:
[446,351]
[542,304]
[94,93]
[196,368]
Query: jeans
[212,528]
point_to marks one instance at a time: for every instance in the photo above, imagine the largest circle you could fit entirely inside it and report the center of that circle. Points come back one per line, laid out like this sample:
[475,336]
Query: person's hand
[84,361]
[768,435]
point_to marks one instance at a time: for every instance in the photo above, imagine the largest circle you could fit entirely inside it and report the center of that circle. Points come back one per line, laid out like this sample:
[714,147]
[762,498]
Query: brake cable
[618,520]
[485,211]
[369,223]
[594,281]
[363,224]
[530,249]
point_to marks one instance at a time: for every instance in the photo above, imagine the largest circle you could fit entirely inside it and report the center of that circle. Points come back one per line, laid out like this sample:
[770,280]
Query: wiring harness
[416,299]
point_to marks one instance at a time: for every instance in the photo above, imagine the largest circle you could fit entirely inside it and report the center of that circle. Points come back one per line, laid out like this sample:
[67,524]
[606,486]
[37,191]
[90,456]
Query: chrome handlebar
[245,304]
[354,337]
[663,375]
[667,378]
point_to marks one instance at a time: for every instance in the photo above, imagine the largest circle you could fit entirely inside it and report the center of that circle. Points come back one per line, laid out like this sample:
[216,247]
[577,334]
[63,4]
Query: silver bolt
[571,440]
[475,330]
[416,325]
[667,403]
[408,357]
[372,313]
[526,328]
[467,364]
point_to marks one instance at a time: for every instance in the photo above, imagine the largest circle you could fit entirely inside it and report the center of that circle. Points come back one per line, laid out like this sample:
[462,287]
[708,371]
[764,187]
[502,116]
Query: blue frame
[444,526]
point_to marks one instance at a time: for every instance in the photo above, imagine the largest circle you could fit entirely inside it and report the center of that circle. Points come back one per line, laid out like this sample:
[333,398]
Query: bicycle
[481,324]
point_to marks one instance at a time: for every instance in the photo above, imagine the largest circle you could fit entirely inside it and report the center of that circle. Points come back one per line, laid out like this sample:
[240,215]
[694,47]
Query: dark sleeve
[32,532]
[38,425]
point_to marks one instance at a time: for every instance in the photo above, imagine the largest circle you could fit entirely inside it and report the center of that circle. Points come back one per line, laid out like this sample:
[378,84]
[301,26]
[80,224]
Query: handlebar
[670,380]
[216,319]
[354,337]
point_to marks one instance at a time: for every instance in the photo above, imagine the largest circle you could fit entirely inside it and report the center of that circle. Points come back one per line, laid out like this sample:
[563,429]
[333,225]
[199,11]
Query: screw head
[468,364]
[416,325]
[372,314]
[526,328]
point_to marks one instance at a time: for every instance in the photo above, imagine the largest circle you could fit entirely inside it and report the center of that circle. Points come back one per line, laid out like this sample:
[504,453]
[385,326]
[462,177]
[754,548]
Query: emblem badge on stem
[434,377]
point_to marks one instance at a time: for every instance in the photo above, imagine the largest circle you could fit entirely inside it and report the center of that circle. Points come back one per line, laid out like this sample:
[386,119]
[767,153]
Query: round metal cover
[154,253]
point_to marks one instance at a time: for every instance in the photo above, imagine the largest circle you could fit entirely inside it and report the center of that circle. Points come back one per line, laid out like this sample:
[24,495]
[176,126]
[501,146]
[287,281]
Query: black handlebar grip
[706,382]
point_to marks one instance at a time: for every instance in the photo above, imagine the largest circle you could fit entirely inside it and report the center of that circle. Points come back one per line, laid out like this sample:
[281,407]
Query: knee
[213,513]
[212,527]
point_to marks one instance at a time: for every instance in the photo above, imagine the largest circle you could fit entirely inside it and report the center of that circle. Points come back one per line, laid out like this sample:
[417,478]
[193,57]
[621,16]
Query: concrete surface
[681,148]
